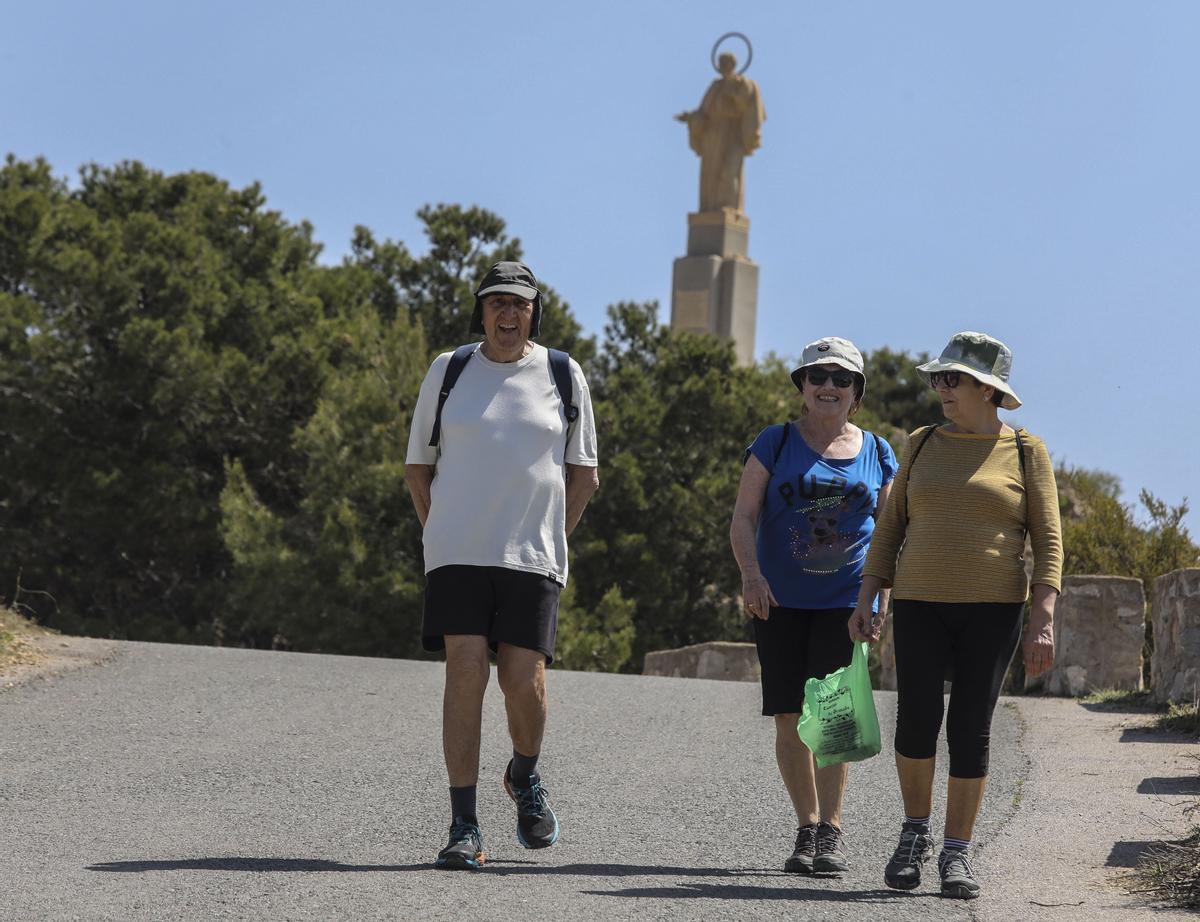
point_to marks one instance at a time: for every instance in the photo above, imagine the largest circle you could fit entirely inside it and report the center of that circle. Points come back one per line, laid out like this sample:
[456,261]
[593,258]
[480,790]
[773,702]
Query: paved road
[198,783]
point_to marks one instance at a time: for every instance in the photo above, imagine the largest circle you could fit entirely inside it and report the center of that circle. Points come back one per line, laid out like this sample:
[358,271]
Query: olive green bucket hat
[983,357]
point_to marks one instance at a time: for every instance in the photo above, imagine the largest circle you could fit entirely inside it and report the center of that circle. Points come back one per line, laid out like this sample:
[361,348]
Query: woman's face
[962,396]
[824,395]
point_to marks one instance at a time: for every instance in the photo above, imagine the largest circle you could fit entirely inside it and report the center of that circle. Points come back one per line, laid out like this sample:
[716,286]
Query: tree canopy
[204,429]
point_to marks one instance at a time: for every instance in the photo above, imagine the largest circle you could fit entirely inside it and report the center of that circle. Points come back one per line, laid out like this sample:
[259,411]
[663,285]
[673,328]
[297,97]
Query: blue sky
[1024,168]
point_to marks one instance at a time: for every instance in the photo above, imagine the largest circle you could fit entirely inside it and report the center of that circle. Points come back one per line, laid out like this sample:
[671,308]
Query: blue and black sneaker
[537,826]
[464,851]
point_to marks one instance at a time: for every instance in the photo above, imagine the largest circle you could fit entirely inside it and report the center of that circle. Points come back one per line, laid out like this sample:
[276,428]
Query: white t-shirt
[499,496]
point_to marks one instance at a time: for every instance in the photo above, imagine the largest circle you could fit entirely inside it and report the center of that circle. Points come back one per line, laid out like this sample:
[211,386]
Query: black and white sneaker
[958,877]
[903,872]
[537,826]
[464,851]
[801,859]
[831,851]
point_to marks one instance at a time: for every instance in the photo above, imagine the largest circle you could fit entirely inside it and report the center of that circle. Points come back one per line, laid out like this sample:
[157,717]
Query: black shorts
[796,644]
[503,605]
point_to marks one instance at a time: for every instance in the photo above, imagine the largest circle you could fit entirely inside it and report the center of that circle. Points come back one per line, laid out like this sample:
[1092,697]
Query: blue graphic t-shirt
[818,517]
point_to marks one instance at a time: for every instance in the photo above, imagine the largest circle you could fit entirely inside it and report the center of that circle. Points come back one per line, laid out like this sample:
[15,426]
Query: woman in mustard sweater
[951,546]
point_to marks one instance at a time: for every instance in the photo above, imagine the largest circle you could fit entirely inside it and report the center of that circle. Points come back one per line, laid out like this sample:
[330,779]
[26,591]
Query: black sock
[523,770]
[462,802]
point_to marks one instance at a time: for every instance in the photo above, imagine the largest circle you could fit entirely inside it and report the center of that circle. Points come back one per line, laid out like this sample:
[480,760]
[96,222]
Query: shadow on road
[261,865]
[625,870]
[500,867]
[1154,735]
[1175,786]
[793,894]
[1126,854]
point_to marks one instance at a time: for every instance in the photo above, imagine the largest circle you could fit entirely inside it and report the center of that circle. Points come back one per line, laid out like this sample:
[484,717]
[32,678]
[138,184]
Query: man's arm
[582,482]
[419,478]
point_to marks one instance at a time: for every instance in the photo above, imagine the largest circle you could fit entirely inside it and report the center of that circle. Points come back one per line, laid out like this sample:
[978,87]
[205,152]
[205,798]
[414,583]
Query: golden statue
[723,131]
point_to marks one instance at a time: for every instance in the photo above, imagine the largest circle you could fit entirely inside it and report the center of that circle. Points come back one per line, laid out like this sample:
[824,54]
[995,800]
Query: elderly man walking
[501,463]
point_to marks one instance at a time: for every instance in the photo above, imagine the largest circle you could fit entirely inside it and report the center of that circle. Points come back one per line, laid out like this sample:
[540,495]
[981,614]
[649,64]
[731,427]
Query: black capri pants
[975,640]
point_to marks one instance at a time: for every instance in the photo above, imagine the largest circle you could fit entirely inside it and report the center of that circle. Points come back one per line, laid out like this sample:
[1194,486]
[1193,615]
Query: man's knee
[467,661]
[521,671]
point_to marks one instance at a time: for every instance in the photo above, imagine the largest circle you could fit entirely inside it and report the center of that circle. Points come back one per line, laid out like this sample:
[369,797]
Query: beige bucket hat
[831,350]
[983,357]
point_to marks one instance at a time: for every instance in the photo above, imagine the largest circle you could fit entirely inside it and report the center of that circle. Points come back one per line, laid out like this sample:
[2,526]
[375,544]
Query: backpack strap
[454,368]
[787,427]
[560,368]
[1021,462]
[878,449]
[911,461]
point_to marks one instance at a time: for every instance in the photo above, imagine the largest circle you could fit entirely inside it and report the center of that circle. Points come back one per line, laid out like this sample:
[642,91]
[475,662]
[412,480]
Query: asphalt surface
[177,782]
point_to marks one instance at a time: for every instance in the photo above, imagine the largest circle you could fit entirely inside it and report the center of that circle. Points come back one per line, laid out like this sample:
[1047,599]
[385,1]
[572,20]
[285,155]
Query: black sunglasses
[817,378]
[952,378]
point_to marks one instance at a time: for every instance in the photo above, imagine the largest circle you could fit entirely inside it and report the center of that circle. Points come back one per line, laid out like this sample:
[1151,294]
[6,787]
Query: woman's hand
[865,625]
[1038,646]
[757,596]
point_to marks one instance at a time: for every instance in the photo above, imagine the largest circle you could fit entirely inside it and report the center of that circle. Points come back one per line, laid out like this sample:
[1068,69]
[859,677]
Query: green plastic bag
[838,722]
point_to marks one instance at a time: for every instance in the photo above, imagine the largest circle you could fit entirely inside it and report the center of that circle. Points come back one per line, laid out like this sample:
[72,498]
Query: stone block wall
[720,659]
[1175,663]
[1099,632]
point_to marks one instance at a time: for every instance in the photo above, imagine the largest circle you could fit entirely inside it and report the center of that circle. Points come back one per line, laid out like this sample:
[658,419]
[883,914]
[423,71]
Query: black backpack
[560,368]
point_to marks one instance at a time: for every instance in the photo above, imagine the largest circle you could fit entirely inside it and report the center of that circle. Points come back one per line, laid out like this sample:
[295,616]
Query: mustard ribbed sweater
[967,509]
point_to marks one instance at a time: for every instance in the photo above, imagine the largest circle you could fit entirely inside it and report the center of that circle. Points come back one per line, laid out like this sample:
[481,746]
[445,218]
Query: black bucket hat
[510,278]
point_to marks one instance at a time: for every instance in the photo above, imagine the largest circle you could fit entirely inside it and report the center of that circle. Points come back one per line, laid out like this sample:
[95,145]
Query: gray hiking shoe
[801,859]
[958,877]
[537,826]
[903,872]
[831,851]
[464,851]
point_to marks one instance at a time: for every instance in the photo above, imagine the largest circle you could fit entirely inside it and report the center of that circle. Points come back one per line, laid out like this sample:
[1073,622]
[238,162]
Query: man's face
[506,321]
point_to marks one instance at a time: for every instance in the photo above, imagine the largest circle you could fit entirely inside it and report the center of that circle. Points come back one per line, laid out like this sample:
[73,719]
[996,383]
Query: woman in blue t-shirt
[806,507]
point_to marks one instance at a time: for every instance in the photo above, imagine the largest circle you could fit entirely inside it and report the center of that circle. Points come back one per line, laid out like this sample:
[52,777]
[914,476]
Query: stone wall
[1099,632]
[1175,663]
[736,662]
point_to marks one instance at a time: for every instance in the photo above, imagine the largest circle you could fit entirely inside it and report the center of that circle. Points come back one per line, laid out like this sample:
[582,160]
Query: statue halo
[717,44]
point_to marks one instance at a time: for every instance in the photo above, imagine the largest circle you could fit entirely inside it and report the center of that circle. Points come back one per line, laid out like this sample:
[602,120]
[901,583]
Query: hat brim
[1010,401]
[509,288]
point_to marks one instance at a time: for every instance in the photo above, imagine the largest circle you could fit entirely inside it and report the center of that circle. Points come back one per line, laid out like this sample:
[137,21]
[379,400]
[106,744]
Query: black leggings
[975,640]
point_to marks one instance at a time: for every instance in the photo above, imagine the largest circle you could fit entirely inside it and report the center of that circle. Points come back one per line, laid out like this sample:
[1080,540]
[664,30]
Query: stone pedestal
[718,659]
[715,287]
[1175,663]
[1099,631]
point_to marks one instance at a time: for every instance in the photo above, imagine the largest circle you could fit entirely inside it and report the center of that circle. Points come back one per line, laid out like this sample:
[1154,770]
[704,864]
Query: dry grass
[1174,718]
[1169,873]
[16,634]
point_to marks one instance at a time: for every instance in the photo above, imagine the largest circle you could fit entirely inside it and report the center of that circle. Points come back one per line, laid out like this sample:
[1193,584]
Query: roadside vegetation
[1175,717]
[1168,872]
[15,635]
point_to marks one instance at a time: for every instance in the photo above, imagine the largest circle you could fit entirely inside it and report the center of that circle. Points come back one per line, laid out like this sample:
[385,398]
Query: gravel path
[179,782]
